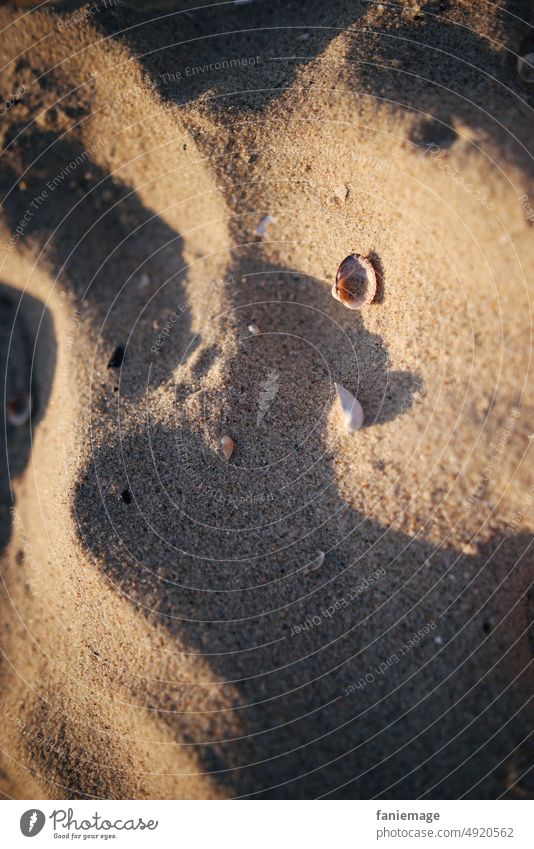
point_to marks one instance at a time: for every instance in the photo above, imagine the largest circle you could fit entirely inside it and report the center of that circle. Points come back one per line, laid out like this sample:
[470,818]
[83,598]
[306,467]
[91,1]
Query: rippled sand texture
[169,628]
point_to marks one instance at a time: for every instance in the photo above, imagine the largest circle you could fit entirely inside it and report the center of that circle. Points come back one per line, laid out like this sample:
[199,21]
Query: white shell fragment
[254,329]
[355,283]
[350,408]
[525,67]
[261,229]
[144,280]
[315,564]
[341,192]
[227,445]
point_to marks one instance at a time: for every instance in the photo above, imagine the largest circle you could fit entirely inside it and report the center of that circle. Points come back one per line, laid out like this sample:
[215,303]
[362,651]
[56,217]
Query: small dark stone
[126,496]
[116,358]
[486,627]
[434,135]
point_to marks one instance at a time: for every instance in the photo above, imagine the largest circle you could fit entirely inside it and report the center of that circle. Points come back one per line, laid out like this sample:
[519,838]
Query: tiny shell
[144,280]
[355,283]
[227,445]
[261,229]
[254,329]
[315,564]
[525,67]
[341,192]
[350,407]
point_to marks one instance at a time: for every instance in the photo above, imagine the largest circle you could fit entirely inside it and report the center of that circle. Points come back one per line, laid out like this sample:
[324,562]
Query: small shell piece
[315,564]
[341,192]
[227,445]
[350,408]
[525,67]
[254,329]
[355,283]
[261,229]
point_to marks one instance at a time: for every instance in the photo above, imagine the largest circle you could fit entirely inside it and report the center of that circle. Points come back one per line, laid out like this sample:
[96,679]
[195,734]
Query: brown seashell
[355,283]
[227,445]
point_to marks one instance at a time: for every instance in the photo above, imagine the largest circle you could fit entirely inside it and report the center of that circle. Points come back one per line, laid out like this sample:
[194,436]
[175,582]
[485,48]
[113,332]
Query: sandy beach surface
[179,186]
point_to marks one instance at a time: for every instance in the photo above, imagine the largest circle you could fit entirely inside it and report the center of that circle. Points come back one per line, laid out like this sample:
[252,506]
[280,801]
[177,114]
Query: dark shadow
[242,56]
[219,553]
[103,246]
[27,362]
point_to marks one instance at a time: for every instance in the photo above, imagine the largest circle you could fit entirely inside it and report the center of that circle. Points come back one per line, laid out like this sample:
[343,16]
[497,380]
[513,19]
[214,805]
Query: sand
[169,627]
